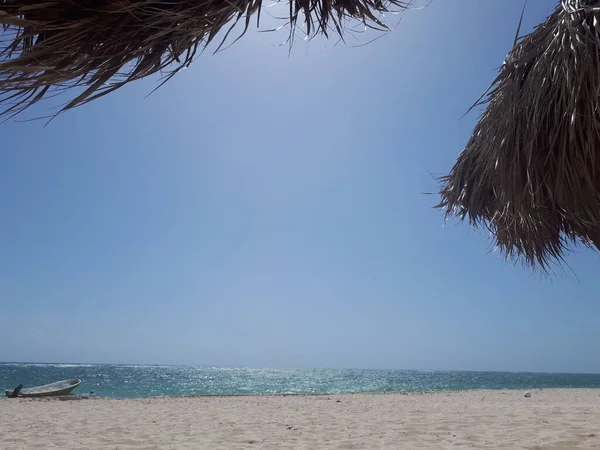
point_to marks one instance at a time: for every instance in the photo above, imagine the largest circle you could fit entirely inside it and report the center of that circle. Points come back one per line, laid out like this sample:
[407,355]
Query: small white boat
[63,387]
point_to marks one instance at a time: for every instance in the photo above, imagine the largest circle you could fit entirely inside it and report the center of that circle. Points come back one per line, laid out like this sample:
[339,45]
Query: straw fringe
[100,45]
[531,169]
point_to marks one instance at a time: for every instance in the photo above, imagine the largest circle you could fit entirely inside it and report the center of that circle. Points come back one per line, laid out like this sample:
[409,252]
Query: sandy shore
[550,419]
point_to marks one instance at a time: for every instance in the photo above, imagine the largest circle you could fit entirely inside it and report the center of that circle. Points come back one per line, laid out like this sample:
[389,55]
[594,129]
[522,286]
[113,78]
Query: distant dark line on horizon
[295,368]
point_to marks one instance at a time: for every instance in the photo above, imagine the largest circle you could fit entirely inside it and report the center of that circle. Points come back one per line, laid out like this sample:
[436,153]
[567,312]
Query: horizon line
[208,366]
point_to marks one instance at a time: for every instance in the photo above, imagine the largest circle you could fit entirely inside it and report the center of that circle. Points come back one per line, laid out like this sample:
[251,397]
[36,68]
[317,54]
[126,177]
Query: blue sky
[267,209]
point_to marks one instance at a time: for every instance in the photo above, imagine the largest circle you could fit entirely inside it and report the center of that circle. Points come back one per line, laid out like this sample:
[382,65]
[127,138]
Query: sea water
[128,381]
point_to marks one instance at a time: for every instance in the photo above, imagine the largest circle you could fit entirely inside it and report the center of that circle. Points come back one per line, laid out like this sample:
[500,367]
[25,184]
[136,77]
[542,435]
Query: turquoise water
[148,381]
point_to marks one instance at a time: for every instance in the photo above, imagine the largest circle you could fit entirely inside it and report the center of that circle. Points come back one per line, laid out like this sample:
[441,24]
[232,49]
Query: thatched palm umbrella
[99,45]
[531,170]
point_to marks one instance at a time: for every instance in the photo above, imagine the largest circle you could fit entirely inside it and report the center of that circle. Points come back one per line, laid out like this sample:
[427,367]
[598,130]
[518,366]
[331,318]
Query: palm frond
[531,169]
[101,45]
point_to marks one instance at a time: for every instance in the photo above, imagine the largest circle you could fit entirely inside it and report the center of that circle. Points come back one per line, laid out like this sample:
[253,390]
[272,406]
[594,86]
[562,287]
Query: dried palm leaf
[101,45]
[531,169]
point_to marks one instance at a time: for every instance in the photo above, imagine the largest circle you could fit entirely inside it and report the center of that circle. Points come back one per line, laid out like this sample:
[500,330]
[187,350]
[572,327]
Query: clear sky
[267,209]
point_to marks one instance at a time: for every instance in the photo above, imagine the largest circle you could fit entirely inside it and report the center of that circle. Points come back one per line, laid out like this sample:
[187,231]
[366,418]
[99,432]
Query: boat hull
[59,388]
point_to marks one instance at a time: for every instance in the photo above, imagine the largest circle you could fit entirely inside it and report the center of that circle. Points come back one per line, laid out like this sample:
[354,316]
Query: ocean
[128,381]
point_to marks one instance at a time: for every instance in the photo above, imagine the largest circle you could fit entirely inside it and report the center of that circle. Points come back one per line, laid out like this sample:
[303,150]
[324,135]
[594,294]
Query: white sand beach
[550,419]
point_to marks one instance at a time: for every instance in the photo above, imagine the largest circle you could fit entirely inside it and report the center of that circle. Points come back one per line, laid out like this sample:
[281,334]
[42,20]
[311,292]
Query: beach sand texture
[550,419]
